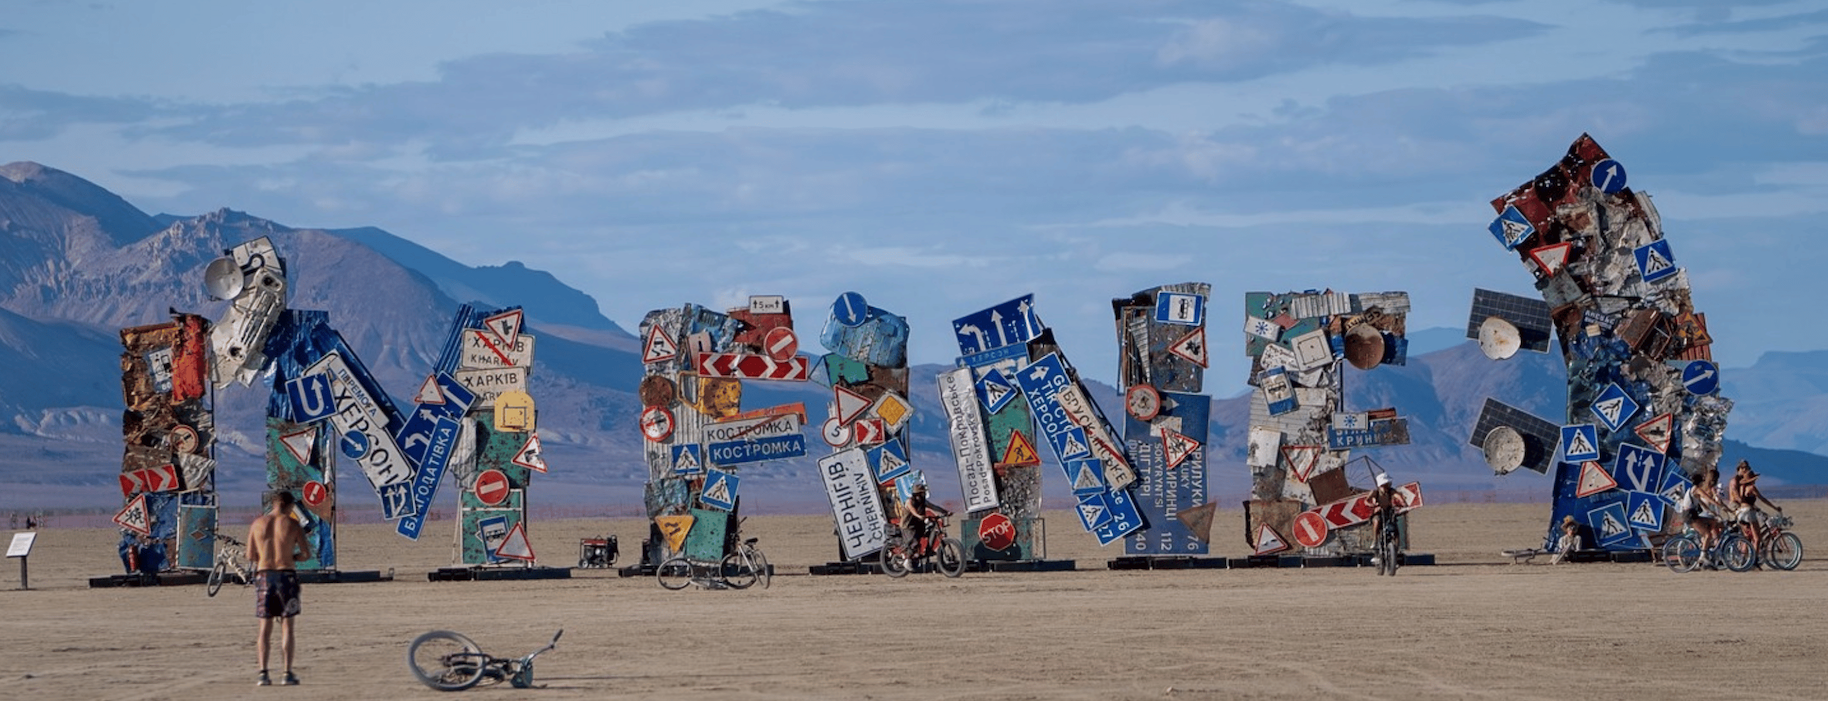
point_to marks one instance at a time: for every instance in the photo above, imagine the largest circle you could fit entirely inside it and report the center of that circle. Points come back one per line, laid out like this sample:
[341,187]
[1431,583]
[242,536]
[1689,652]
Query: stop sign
[996,531]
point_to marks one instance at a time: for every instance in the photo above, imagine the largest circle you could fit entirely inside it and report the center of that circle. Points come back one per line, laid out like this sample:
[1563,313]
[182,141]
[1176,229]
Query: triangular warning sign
[1020,453]
[1198,520]
[1593,480]
[889,463]
[1269,541]
[1192,347]
[299,443]
[849,404]
[1578,444]
[135,517]
[1654,263]
[515,545]
[717,489]
[1610,527]
[1072,446]
[1301,460]
[1552,258]
[1087,479]
[1092,515]
[505,326]
[659,346]
[1611,410]
[1657,432]
[429,392]
[1178,447]
[1646,514]
[674,530]
[529,455]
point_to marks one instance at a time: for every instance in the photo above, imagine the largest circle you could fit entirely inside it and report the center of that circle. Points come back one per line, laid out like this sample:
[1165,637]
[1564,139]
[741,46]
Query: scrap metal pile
[1301,434]
[696,432]
[1644,414]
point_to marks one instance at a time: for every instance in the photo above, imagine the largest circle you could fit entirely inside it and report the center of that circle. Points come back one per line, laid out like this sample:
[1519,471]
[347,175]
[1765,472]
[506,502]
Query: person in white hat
[1384,501]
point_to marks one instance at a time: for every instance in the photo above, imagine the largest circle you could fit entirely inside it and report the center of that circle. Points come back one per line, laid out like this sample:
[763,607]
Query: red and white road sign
[996,531]
[1552,258]
[744,366]
[515,546]
[429,392]
[135,517]
[505,326]
[836,434]
[315,493]
[299,443]
[849,405]
[1192,347]
[1268,541]
[660,346]
[163,478]
[1301,460]
[492,487]
[1593,480]
[780,343]
[656,423]
[1412,497]
[1178,447]
[1350,511]
[1657,432]
[1310,529]
[869,431]
[529,455]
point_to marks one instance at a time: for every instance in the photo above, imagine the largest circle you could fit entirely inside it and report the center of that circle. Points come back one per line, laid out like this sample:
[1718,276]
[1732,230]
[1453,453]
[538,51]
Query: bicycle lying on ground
[899,557]
[449,661]
[231,561]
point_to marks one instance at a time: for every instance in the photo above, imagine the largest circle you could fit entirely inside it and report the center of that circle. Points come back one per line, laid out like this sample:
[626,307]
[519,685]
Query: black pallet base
[1171,562]
[1318,561]
[1610,556]
[480,574]
[635,571]
[343,576]
[845,568]
[162,579]
[1022,566]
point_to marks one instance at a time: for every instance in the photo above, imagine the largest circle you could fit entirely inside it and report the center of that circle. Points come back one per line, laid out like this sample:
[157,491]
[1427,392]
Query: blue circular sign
[1701,377]
[355,444]
[1609,176]
[850,309]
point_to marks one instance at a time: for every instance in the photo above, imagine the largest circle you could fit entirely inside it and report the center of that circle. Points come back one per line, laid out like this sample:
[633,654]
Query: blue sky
[940,156]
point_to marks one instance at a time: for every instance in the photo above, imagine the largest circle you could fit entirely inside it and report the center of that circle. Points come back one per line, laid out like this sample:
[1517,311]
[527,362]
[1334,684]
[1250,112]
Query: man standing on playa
[276,542]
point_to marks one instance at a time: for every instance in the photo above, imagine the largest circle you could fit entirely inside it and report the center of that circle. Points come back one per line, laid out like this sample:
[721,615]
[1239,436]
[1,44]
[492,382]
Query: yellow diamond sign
[893,410]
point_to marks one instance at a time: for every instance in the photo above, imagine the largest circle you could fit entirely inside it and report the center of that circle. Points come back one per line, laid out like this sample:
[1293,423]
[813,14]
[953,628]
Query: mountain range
[78,263]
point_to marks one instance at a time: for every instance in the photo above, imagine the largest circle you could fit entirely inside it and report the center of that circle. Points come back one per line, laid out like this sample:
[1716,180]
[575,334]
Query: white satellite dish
[1498,339]
[223,278]
[1504,449]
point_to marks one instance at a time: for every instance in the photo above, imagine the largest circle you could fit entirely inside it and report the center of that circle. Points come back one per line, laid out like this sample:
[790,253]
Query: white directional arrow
[996,319]
[1028,319]
[975,331]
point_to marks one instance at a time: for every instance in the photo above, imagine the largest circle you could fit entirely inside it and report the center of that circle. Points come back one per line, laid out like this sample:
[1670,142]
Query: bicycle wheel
[737,570]
[1736,552]
[1783,551]
[445,660]
[1681,554]
[674,574]
[894,564]
[214,583]
[1390,554]
[951,557]
[763,572]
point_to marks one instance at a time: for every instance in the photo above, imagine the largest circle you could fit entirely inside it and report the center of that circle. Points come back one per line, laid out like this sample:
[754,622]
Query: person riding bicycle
[918,514]
[1385,500]
[1701,508]
[1745,495]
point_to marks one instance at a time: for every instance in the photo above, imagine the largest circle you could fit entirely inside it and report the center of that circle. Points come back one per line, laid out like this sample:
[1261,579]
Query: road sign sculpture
[1644,414]
[168,467]
[1162,358]
[1301,433]
[869,473]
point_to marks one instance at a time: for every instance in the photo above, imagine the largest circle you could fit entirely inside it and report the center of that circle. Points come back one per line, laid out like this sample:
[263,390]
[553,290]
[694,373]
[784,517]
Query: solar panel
[1529,315]
[1540,436]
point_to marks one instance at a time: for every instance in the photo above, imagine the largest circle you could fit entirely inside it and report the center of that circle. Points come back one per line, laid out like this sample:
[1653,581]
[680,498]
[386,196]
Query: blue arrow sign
[434,459]
[850,309]
[311,398]
[1608,176]
[1701,377]
[1511,228]
[1638,468]
[1006,324]
[416,434]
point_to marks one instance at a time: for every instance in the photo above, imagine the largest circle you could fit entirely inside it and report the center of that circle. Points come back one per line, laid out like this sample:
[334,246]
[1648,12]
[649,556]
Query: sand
[1475,626]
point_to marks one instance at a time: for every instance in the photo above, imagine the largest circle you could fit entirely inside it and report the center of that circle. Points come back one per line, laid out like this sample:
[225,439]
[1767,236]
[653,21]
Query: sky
[941,156]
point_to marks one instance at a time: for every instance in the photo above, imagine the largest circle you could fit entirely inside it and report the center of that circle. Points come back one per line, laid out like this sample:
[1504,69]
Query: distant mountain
[79,263]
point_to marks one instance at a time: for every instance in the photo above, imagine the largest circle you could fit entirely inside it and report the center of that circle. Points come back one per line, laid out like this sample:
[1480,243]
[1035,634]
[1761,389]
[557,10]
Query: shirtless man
[275,544]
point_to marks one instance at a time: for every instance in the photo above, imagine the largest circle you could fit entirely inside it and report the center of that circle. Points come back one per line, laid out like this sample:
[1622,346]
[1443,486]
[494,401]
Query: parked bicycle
[231,563]
[1683,552]
[745,565]
[449,661]
[899,557]
[1779,548]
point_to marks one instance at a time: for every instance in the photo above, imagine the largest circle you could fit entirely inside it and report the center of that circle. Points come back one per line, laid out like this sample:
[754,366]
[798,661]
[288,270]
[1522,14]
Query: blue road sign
[416,434]
[880,339]
[1655,261]
[995,391]
[1644,510]
[311,398]
[995,355]
[1701,377]
[1124,518]
[354,444]
[432,463]
[1674,485]
[492,531]
[1085,476]
[1278,390]
[1180,308]
[396,499]
[1638,468]
[1009,323]
[1614,407]
[1609,523]
[888,461]
[1511,228]
[1608,176]
[688,459]
[720,490]
[1167,491]
[792,445]
[1380,432]
[850,309]
[1093,512]
[1580,442]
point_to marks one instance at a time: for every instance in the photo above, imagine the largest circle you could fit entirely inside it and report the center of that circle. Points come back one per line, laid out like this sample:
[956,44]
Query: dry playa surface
[1475,626]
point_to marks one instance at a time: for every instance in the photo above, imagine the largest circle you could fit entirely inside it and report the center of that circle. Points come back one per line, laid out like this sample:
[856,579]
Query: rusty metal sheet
[190,359]
[1278,514]
[882,339]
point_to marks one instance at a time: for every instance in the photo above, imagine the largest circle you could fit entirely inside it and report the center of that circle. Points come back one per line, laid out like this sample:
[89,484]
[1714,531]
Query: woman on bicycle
[1745,494]
[918,514]
[1385,500]
[1701,508]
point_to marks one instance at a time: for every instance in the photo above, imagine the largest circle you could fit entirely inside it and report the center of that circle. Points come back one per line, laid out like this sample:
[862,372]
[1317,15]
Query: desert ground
[1474,626]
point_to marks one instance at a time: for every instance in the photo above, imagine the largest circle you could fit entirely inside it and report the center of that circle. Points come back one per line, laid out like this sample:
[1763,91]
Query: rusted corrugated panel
[190,359]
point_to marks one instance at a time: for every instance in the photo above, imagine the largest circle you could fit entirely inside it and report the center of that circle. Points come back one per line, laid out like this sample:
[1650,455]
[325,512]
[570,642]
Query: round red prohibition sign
[996,531]
[781,344]
[1310,529]
[656,423]
[315,493]
[492,487]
